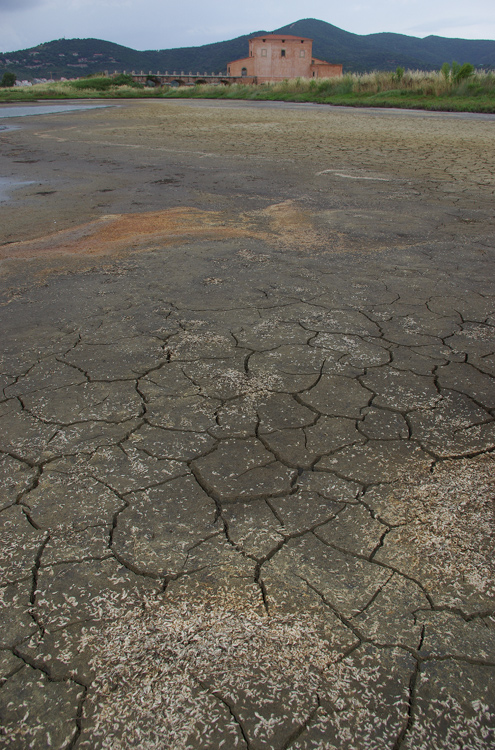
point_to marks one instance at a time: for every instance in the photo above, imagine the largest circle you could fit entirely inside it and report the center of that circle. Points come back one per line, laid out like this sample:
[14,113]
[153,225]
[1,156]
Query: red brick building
[275,57]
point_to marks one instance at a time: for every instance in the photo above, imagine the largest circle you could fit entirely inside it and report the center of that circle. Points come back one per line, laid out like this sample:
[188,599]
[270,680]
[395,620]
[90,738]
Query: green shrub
[456,72]
[8,80]
[445,71]
[97,83]
[104,83]
[462,72]
[124,79]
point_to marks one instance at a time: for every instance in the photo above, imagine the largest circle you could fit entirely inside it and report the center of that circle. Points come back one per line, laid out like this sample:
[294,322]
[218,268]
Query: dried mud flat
[247,429]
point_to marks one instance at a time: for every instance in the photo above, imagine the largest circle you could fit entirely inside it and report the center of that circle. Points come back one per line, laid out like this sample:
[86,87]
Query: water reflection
[21,110]
[7,185]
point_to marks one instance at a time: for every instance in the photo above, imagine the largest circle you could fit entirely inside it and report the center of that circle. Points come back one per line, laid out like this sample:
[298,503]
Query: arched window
[244,72]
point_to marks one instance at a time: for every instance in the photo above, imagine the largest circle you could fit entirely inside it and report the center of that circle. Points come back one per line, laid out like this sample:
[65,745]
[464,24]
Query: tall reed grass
[83,88]
[411,89]
[411,81]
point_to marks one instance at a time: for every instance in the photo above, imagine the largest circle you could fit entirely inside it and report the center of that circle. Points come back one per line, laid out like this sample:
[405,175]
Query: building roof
[280,36]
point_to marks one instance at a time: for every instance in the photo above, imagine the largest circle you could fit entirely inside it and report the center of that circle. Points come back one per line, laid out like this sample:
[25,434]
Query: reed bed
[414,89]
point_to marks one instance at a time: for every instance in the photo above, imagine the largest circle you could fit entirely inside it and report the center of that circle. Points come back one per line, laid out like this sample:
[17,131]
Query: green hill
[386,51]
[72,58]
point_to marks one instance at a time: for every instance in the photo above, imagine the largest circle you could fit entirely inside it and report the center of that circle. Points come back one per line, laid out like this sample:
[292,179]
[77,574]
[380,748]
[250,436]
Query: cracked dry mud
[247,429]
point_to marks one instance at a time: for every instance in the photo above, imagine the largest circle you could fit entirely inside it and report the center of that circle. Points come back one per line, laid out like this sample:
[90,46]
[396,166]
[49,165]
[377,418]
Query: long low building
[275,57]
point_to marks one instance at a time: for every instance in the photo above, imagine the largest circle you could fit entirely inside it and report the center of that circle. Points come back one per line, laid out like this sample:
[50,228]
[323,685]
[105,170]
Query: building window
[302,53]
[263,52]
[282,53]
[244,72]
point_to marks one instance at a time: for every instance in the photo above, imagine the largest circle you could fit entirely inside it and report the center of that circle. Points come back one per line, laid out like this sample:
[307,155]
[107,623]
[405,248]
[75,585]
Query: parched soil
[299,168]
[247,428]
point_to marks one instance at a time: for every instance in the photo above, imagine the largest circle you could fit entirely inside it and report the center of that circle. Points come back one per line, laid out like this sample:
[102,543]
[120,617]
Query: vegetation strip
[455,88]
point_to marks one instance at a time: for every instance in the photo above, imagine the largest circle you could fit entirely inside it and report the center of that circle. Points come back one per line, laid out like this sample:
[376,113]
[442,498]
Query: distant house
[275,57]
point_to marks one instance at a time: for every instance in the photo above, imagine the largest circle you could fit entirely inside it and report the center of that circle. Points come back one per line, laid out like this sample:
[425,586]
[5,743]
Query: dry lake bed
[247,423]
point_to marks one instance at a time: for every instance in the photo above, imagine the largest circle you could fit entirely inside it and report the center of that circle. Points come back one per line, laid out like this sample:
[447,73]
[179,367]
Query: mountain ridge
[72,58]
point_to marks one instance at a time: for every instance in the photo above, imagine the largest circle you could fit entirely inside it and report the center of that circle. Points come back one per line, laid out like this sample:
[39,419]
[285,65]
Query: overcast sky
[162,24]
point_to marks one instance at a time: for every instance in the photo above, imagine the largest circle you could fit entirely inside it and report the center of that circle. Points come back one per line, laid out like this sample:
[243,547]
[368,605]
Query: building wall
[276,57]
[322,69]
[281,57]
[236,67]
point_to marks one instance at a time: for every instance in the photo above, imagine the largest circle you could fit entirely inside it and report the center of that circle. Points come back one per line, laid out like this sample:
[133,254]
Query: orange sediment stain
[283,225]
[129,232]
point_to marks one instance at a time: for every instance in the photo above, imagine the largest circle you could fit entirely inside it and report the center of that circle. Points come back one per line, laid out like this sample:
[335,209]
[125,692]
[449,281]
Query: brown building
[275,57]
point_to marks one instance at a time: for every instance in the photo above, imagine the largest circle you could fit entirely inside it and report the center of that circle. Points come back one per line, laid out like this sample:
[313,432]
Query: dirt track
[247,429]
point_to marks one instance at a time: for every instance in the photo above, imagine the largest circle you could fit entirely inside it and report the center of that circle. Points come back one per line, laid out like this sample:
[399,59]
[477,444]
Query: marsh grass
[407,89]
[412,89]
[83,88]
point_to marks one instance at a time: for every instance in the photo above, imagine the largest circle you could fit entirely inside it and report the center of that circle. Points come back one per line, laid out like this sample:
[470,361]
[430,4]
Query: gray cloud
[16,5]
[452,22]
[27,23]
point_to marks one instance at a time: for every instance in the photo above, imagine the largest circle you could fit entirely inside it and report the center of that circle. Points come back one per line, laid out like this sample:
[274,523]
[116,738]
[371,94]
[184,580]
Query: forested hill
[386,51]
[358,53]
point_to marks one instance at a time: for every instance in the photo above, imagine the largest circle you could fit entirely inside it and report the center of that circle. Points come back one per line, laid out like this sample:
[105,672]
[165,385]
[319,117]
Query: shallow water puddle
[7,185]
[52,109]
